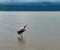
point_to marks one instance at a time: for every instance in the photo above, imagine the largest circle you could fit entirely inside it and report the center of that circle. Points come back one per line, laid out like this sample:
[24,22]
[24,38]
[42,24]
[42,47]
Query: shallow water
[43,31]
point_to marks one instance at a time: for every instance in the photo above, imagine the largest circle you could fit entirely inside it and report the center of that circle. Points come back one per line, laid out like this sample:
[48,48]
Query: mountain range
[31,3]
[30,6]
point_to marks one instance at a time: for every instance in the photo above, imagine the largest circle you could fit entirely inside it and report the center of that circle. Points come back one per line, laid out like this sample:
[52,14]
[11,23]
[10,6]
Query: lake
[43,30]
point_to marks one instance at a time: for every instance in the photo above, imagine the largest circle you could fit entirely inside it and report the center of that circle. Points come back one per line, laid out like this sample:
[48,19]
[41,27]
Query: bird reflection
[21,44]
[21,40]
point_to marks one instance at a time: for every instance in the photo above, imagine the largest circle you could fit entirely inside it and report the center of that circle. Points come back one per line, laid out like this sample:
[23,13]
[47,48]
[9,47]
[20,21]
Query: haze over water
[43,31]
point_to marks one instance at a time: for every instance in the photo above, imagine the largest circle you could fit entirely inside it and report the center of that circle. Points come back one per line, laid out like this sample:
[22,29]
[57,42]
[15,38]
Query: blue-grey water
[43,31]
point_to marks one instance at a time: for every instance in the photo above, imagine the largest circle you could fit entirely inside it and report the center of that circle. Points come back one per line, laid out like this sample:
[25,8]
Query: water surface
[43,31]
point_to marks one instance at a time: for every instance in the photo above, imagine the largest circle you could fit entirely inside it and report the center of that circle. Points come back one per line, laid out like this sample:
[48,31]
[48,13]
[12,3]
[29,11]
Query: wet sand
[43,31]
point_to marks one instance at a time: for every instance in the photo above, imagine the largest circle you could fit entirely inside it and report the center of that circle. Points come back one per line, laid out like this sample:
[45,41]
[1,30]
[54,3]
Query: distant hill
[31,3]
[30,6]
[57,3]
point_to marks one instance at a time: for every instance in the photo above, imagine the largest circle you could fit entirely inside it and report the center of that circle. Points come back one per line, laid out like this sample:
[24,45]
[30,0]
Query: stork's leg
[21,35]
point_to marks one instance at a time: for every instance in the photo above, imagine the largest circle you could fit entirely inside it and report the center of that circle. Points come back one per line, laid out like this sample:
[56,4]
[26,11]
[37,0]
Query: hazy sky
[29,0]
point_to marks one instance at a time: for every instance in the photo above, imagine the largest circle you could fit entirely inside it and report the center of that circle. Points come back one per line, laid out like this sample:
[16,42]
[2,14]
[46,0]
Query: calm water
[43,31]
